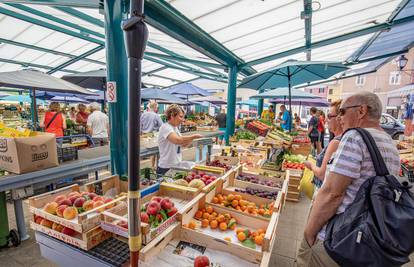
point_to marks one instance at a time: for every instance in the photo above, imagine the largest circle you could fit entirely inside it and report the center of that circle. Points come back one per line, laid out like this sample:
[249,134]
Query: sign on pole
[111,92]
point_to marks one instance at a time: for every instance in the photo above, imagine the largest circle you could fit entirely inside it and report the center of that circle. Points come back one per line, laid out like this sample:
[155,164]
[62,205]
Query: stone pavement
[289,235]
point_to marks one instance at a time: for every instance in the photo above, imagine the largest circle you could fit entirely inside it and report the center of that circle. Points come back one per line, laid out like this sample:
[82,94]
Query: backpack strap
[376,157]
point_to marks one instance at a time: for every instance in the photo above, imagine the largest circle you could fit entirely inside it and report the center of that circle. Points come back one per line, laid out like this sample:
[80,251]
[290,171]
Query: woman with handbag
[54,121]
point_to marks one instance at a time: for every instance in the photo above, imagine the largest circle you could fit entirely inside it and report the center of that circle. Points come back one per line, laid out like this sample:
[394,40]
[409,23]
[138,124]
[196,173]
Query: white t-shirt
[99,123]
[170,154]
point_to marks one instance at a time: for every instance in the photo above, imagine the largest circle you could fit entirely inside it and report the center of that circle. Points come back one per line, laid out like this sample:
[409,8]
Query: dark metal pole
[290,99]
[136,36]
[34,110]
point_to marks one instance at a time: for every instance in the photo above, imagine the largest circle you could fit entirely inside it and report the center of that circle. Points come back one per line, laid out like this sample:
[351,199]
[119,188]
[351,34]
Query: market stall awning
[187,89]
[284,92]
[32,79]
[21,98]
[310,102]
[68,99]
[161,95]
[210,99]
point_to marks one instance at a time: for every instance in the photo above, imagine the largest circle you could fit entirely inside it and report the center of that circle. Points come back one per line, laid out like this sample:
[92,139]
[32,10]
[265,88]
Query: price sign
[111,92]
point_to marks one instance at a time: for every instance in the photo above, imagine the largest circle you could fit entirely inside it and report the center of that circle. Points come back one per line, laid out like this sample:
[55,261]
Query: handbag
[377,229]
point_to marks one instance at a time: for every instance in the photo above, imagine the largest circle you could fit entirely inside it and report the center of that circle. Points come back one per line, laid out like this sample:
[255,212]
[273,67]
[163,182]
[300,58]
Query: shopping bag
[306,186]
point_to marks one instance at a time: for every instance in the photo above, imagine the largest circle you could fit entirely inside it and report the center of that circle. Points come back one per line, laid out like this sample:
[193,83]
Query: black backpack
[377,229]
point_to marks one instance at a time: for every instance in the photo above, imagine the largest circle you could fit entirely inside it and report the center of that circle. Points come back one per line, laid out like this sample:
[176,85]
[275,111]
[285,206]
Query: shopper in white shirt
[170,141]
[98,125]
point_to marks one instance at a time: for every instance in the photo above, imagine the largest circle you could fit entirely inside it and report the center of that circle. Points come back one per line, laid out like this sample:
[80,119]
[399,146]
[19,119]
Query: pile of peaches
[74,203]
[54,226]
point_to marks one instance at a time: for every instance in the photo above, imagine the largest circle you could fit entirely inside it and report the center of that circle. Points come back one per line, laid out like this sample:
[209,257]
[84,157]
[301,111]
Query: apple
[172,211]
[144,217]
[201,261]
[166,204]
[158,199]
[153,208]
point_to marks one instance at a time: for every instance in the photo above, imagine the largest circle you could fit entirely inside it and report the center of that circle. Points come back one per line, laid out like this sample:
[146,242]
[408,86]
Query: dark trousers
[162,171]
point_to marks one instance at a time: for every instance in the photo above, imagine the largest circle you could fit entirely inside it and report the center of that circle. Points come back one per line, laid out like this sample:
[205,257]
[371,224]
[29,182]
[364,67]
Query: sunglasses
[331,116]
[342,111]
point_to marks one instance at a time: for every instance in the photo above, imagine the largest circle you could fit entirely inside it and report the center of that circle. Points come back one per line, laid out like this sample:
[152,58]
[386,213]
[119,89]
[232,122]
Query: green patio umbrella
[291,73]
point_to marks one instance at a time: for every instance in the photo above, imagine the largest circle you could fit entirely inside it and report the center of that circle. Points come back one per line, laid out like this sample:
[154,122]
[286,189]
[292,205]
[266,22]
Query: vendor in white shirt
[171,142]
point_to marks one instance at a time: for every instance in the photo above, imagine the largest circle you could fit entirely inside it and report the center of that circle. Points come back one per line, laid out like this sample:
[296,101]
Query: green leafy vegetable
[249,243]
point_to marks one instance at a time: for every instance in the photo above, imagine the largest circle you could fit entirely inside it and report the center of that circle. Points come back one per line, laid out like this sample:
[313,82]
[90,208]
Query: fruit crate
[220,173]
[301,148]
[85,241]
[115,220]
[207,128]
[228,160]
[246,143]
[294,172]
[293,193]
[235,182]
[85,221]
[215,238]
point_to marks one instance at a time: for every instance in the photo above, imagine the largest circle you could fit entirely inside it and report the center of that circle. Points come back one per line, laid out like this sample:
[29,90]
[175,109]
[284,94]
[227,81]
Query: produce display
[279,135]
[75,203]
[224,222]
[54,226]
[196,179]
[154,212]
[14,132]
[217,163]
[245,135]
[257,192]
[293,165]
[236,201]
[258,128]
[301,140]
[255,180]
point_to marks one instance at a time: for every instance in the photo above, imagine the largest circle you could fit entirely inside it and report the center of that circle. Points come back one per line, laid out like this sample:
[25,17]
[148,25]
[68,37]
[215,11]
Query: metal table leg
[21,225]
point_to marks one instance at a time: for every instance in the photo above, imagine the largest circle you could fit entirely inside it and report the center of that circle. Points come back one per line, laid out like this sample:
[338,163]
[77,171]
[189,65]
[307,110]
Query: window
[331,91]
[310,91]
[360,80]
[330,100]
[395,78]
[322,90]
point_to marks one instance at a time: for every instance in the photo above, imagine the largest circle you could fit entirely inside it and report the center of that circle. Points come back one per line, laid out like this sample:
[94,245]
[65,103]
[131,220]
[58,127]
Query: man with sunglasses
[351,166]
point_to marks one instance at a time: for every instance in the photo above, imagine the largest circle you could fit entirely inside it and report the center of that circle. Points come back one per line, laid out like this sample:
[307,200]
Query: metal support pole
[117,72]
[260,105]
[135,37]
[34,109]
[4,222]
[231,103]
[21,103]
[290,99]
[19,214]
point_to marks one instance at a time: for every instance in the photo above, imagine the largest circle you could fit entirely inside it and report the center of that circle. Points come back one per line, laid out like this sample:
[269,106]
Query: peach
[72,199]
[97,204]
[51,207]
[57,227]
[84,193]
[98,198]
[46,223]
[92,195]
[66,202]
[68,231]
[60,210]
[38,219]
[60,198]
[70,213]
[107,201]
[79,202]
[88,205]
[74,193]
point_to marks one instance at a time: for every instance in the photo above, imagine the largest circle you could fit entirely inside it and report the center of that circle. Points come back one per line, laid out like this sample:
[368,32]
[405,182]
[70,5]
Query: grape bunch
[258,192]
[256,180]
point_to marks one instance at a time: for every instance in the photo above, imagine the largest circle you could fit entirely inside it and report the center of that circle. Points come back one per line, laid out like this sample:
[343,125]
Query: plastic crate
[67,153]
[408,172]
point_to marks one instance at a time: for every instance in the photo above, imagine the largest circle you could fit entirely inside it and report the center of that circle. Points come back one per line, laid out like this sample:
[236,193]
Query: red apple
[144,217]
[158,199]
[172,211]
[153,208]
[166,204]
[201,261]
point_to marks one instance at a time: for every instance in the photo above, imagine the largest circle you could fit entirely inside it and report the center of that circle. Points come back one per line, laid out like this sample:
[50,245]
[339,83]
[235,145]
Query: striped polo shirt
[353,160]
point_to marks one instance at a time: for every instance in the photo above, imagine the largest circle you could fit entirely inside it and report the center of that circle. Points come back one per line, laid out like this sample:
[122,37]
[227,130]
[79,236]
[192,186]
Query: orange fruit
[242,207]
[199,214]
[213,224]
[214,214]
[261,211]
[205,223]
[233,227]
[192,225]
[258,240]
[211,217]
[254,234]
[261,206]
[206,215]
[230,197]
[237,197]
[250,209]
[239,230]
[260,231]
[235,203]
[215,200]
[220,218]
[241,236]
[223,226]
[238,208]
[209,209]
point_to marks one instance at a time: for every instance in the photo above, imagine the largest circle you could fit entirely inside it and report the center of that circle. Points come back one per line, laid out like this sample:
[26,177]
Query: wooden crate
[234,182]
[207,128]
[246,143]
[183,202]
[293,172]
[86,220]
[85,241]
[230,161]
[293,193]
[213,239]
[301,148]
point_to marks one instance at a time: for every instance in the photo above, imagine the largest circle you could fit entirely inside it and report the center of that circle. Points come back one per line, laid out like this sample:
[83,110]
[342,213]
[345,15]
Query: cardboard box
[27,154]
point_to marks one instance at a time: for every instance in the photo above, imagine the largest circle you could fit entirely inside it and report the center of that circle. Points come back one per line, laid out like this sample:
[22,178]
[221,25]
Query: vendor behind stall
[268,115]
[170,141]
[54,121]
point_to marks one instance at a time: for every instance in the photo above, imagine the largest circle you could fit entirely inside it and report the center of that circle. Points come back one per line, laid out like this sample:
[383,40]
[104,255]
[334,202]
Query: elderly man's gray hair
[95,106]
[372,101]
